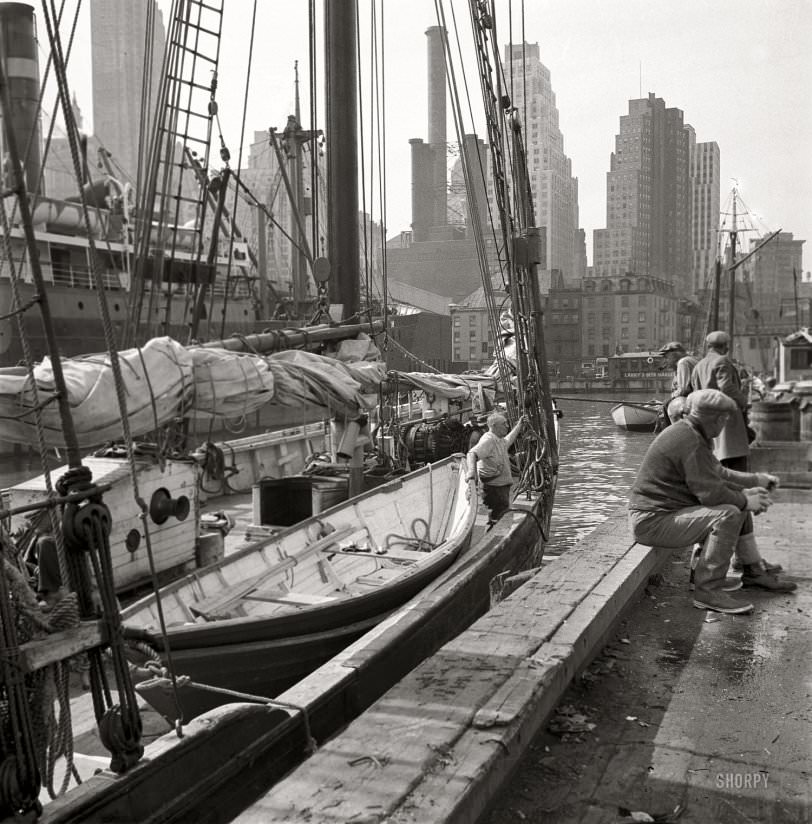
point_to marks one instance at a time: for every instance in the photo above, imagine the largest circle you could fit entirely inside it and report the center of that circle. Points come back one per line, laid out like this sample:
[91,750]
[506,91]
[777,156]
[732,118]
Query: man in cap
[732,447]
[683,363]
[717,371]
[683,495]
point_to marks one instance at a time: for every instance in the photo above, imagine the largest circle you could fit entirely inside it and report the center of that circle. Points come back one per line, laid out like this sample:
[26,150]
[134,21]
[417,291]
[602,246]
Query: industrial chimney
[437,123]
[21,68]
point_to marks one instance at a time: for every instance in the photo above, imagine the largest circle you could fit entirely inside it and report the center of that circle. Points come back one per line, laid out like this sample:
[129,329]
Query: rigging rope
[239,166]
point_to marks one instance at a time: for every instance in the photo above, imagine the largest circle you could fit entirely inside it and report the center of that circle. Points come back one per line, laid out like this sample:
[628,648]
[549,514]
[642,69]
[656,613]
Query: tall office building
[777,267]
[117,33]
[705,203]
[648,198]
[550,170]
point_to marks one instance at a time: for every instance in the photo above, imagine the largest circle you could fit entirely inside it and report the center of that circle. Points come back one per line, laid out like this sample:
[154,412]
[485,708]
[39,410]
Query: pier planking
[439,743]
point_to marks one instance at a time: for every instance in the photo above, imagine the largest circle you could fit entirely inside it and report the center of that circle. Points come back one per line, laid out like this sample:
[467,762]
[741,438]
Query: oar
[604,400]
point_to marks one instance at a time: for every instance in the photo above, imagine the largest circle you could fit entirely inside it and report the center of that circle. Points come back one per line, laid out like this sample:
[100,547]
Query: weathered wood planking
[436,746]
[332,696]
[173,543]
[270,455]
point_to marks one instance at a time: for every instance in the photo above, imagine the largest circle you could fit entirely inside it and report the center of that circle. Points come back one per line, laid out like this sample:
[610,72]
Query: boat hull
[636,417]
[270,613]
[228,756]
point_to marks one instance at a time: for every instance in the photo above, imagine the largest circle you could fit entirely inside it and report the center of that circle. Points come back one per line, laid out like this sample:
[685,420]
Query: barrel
[775,421]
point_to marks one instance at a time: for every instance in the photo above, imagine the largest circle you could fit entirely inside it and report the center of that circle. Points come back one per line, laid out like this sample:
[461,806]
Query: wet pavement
[688,715]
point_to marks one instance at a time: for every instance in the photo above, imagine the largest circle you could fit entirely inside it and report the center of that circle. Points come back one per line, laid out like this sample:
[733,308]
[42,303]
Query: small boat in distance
[637,417]
[274,610]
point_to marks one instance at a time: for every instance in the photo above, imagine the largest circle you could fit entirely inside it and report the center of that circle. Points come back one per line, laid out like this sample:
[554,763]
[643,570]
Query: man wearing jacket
[683,495]
[732,447]
[717,371]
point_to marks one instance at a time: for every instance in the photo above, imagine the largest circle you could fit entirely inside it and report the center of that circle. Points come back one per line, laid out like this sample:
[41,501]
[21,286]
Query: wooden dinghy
[274,610]
[636,417]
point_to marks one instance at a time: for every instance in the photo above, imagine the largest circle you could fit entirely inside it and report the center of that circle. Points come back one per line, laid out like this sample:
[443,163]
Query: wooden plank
[330,575]
[214,607]
[60,645]
[410,555]
[217,605]
[443,738]
[292,597]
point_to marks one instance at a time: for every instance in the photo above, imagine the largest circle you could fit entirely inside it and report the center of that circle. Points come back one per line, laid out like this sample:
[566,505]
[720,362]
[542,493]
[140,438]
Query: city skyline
[737,95]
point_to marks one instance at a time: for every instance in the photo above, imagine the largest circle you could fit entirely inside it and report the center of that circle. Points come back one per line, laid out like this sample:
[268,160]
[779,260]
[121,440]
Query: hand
[770,482]
[758,500]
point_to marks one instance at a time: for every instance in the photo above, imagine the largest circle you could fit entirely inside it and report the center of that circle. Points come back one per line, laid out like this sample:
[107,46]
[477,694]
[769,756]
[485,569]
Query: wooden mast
[341,67]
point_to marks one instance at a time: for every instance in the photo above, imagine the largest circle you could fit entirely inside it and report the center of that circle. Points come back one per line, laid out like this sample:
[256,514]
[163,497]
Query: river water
[598,462]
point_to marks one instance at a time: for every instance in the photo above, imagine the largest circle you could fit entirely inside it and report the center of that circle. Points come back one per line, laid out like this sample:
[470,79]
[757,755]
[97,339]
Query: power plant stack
[21,69]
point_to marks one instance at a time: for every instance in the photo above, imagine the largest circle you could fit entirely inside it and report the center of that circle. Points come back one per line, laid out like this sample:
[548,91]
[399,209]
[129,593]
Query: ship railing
[80,277]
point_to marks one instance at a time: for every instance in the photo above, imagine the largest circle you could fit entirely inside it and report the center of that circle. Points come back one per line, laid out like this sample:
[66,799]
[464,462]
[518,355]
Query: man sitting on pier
[683,495]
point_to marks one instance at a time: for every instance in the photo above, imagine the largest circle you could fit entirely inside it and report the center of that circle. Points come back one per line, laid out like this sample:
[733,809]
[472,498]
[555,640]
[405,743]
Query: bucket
[210,548]
[775,421]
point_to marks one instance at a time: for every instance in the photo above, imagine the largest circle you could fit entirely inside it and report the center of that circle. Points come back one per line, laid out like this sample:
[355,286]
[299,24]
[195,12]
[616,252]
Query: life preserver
[649,360]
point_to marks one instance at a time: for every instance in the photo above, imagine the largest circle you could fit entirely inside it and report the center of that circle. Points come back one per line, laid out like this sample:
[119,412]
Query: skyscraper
[118,35]
[550,170]
[648,198]
[705,194]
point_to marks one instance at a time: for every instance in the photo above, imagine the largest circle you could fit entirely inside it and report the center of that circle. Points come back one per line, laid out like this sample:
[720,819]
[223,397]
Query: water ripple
[598,462]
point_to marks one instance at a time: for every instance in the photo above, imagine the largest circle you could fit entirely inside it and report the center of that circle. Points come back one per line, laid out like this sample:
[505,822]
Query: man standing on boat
[683,495]
[491,452]
[683,363]
[732,446]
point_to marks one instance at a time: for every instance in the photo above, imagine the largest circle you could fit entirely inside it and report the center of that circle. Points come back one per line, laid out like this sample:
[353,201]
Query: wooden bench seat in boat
[410,555]
[275,596]
[221,604]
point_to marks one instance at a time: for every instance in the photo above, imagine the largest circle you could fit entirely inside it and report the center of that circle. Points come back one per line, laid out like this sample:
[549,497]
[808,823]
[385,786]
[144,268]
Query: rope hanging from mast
[516,245]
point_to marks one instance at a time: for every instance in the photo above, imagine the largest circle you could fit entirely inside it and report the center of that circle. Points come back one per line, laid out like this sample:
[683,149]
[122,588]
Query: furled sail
[164,380]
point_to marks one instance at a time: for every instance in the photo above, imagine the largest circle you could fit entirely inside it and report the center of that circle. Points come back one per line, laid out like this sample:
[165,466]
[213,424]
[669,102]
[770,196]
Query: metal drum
[775,420]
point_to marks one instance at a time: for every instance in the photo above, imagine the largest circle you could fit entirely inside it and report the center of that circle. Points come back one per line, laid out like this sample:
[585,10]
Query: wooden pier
[439,744]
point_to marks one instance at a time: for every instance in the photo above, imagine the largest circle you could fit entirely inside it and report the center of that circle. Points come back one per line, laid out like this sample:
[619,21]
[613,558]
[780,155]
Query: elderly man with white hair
[489,461]
[683,495]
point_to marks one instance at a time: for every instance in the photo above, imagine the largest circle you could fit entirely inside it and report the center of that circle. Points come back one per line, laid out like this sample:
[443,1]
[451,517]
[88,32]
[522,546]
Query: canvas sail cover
[163,380]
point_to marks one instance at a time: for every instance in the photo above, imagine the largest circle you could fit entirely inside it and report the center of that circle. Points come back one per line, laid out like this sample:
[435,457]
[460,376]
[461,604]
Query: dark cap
[671,346]
[709,402]
[717,338]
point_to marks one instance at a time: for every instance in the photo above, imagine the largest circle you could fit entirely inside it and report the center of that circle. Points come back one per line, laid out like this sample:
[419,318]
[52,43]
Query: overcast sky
[740,70]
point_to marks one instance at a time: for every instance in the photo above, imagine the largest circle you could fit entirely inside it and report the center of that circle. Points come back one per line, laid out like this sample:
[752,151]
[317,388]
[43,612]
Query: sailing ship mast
[341,60]
[731,266]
